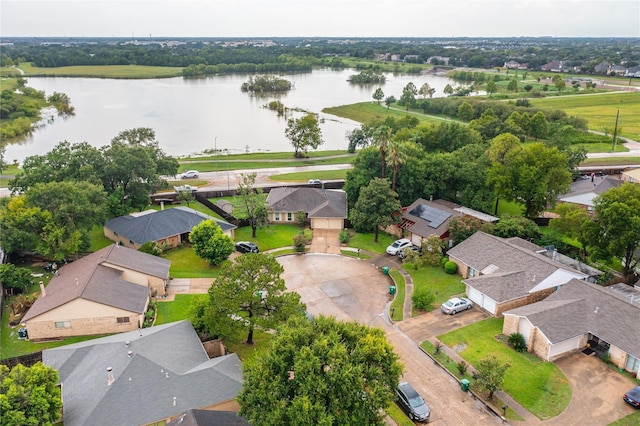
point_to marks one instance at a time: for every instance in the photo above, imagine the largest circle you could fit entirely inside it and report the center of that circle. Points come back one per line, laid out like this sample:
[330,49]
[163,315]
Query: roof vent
[110,377]
[130,354]
[127,343]
[596,311]
[77,281]
[174,401]
[166,375]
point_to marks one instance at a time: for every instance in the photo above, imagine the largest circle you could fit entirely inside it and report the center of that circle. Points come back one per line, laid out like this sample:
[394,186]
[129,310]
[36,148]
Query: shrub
[299,242]
[437,348]
[451,267]
[462,367]
[301,218]
[516,340]
[151,247]
[423,299]
[444,261]
[344,236]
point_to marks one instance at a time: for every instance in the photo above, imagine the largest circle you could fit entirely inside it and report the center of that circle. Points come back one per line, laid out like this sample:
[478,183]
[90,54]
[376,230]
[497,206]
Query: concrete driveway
[353,289]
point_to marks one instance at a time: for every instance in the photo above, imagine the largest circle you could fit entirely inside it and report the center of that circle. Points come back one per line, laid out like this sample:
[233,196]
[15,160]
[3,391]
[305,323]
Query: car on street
[455,305]
[412,403]
[185,188]
[397,246]
[246,247]
[405,251]
[633,397]
[190,174]
[315,182]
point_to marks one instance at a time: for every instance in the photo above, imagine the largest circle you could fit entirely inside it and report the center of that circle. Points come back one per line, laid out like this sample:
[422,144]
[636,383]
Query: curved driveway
[353,289]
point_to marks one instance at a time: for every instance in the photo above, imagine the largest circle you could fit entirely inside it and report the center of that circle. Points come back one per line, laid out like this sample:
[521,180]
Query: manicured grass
[261,341]
[366,112]
[571,241]
[354,254]
[436,280]
[265,156]
[97,238]
[398,302]
[303,177]
[224,165]
[181,182]
[178,309]
[270,237]
[239,209]
[630,420]
[365,241]
[611,161]
[538,386]
[601,147]
[600,110]
[510,208]
[103,71]
[186,264]
[398,416]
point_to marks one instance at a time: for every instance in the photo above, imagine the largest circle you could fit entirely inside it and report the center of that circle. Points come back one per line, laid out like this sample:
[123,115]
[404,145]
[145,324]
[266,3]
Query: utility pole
[615,133]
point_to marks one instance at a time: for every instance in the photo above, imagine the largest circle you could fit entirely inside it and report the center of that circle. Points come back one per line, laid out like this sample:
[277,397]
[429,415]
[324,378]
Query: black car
[633,397]
[246,247]
[403,253]
[412,403]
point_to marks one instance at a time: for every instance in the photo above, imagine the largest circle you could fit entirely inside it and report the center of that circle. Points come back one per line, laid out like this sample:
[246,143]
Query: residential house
[555,66]
[617,70]
[438,60]
[424,218]
[105,292]
[582,314]
[208,418]
[633,72]
[602,67]
[513,65]
[326,208]
[502,274]
[169,227]
[142,377]
[584,190]
[632,176]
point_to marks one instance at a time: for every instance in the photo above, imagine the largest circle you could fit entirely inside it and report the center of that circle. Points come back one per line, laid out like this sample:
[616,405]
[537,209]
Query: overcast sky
[329,18]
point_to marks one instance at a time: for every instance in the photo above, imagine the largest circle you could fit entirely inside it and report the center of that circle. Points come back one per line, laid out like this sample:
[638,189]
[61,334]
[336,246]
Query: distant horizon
[141,37]
[320,18]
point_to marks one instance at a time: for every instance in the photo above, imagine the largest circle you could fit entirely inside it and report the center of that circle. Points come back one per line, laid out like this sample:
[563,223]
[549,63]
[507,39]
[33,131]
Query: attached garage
[481,300]
[560,348]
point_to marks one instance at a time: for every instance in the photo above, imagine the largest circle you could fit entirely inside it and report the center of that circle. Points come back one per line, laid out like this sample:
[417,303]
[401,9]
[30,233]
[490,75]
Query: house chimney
[110,377]
[42,290]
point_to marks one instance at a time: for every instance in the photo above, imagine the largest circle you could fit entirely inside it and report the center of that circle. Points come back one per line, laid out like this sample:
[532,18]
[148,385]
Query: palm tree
[396,156]
[381,137]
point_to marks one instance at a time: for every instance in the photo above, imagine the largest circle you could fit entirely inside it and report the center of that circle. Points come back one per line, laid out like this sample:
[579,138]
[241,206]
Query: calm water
[191,115]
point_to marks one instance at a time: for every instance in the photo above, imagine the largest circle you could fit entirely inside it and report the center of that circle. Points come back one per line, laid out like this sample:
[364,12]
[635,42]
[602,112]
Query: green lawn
[186,264]
[509,208]
[265,156]
[222,164]
[398,416]
[630,420]
[366,112]
[239,210]
[365,241]
[178,309]
[103,71]
[611,161]
[261,341]
[269,237]
[538,386]
[97,239]
[398,302]
[436,280]
[303,177]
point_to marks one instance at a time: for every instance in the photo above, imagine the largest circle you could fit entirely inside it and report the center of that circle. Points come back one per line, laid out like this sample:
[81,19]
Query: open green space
[269,237]
[538,386]
[398,416]
[437,281]
[630,420]
[186,264]
[600,110]
[303,177]
[222,165]
[102,71]
[366,112]
[264,156]
[611,161]
[178,309]
[398,302]
[364,241]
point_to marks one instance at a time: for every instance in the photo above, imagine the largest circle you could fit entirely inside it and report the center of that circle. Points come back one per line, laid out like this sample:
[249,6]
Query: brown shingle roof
[425,228]
[314,201]
[91,278]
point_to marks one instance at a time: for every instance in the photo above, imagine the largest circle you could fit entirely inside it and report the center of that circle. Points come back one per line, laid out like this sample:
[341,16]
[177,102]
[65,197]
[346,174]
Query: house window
[122,320]
[277,216]
[63,324]
[472,272]
[289,217]
[633,363]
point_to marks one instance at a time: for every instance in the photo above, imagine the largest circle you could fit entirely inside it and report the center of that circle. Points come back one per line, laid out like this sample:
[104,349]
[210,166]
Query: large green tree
[377,206]
[248,294]
[615,230]
[210,242]
[534,175]
[21,225]
[256,210]
[321,372]
[490,374]
[29,396]
[304,133]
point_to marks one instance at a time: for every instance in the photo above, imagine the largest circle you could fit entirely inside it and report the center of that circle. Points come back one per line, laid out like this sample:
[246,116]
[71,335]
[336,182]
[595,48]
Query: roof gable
[154,225]
[314,201]
[166,361]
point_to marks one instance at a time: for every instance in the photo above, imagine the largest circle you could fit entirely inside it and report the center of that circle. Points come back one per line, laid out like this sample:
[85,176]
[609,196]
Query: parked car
[190,174]
[455,305]
[315,182]
[403,253]
[247,247]
[633,397]
[397,246]
[412,403]
[185,188]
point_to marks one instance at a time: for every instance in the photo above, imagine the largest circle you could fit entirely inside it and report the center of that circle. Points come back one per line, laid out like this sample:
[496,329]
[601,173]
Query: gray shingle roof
[167,362]
[579,307]
[583,191]
[425,228]
[91,278]
[208,418]
[315,202]
[157,225]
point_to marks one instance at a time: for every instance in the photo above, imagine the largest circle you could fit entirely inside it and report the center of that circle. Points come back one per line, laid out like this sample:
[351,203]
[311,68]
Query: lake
[191,115]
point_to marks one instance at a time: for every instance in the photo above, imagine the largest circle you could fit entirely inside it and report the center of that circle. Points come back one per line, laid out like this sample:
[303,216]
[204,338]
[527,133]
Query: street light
[215,145]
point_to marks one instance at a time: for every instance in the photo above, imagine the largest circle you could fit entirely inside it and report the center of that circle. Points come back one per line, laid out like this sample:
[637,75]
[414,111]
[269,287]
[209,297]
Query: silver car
[455,305]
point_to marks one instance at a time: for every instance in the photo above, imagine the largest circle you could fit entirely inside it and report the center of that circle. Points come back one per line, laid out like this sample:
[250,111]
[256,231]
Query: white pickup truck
[185,188]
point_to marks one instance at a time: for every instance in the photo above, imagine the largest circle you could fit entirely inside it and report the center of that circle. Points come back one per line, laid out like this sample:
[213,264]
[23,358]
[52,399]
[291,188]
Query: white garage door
[524,328]
[481,300]
[564,346]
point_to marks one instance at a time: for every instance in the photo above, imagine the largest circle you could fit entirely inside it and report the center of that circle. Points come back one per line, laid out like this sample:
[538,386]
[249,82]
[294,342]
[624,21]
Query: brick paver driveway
[352,289]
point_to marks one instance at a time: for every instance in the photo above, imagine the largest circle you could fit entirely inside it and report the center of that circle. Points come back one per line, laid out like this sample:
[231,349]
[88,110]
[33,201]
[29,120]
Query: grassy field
[103,71]
[265,156]
[613,161]
[224,165]
[178,309]
[437,281]
[630,420]
[365,241]
[398,301]
[270,237]
[538,386]
[366,112]
[186,264]
[600,110]
[303,177]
